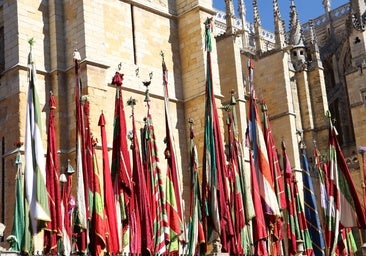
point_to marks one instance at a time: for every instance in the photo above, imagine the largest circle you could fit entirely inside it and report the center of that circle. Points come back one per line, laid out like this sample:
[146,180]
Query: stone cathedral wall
[125,36]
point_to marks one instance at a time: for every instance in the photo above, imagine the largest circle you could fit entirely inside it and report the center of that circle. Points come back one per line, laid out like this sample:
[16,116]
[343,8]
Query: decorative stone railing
[320,21]
[220,24]
[268,36]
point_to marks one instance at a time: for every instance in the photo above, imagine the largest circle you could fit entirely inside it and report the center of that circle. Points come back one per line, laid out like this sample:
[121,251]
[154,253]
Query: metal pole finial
[76,55]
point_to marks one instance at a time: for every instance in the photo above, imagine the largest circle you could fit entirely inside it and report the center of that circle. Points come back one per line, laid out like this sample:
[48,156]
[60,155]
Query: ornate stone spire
[313,38]
[279,26]
[257,19]
[296,38]
[326,4]
[230,17]
[242,14]
[242,10]
[257,27]
[314,48]
[298,52]
[276,9]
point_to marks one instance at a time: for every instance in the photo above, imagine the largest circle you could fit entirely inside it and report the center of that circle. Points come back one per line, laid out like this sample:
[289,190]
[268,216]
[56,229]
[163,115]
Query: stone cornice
[86,61]
[280,115]
[199,8]
[151,8]
[166,13]
[23,67]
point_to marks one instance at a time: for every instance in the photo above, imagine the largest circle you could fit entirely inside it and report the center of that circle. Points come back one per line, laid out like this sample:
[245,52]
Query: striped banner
[112,236]
[305,236]
[34,173]
[236,188]
[142,228]
[260,234]
[97,231]
[17,233]
[82,189]
[67,204]
[196,236]
[53,230]
[344,208]
[121,168]
[155,184]
[293,227]
[310,206]
[174,205]
[218,223]
[274,164]
[261,163]
[298,230]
